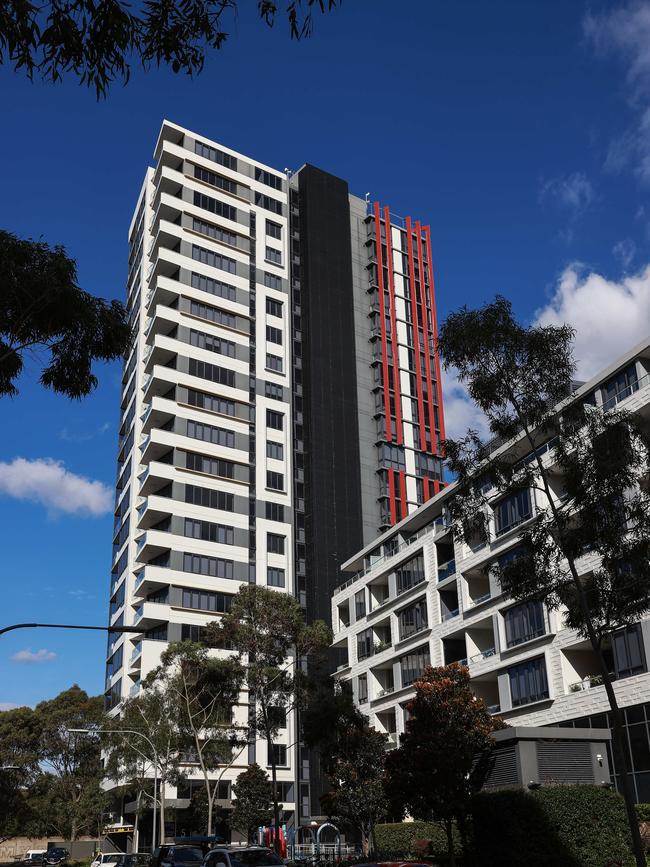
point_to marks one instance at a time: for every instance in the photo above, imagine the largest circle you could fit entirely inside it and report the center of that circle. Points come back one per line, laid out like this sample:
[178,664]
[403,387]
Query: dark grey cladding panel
[334,528]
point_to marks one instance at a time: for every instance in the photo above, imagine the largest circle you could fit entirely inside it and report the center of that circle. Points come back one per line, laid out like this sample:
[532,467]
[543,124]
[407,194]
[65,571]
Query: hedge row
[555,826]
[395,840]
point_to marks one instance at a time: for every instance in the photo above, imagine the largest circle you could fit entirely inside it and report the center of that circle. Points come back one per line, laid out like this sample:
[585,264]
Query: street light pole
[155,766]
[69,626]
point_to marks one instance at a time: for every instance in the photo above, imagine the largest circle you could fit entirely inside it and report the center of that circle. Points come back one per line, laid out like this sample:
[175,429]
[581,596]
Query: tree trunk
[161,812]
[449,831]
[136,823]
[274,786]
[209,809]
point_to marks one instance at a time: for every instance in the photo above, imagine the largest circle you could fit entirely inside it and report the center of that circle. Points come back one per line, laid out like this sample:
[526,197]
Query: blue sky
[519,131]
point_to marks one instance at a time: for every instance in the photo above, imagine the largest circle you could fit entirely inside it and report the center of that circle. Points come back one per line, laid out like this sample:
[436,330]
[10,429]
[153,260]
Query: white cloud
[625,251]
[626,32]
[8,705]
[30,656]
[609,316]
[461,413]
[47,481]
[574,193]
[83,437]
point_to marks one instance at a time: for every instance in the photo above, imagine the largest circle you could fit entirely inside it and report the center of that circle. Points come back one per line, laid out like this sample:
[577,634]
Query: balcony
[446,570]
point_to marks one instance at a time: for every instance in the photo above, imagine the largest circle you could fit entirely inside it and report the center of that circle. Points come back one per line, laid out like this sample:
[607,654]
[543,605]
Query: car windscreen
[188,855]
[254,858]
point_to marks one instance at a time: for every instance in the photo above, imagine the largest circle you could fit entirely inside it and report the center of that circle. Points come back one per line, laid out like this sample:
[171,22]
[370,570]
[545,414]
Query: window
[275,543]
[274,335]
[413,619]
[275,577]
[512,511]
[214,260]
[212,372]
[274,420]
[209,433]
[274,481]
[191,632]
[158,633]
[215,567]
[210,402]
[213,314]
[620,386]
[269,204]
[359,604]
[272,281]
[273,307]
[274,362]
[215,180]
[275,451]
[362,688]
[278,755]
[212,466]
[413,664]
[215,232]
[206,601]
[209,532]
[207,203]
[409,574]
[211,499]
[628,651]
[214,287]
[159,597]
[273,255]
[528,682]
[212,343]
[524,622]
[273,230]
[276,392]
[215,155]
[269,179]
[274,512]
[364,644]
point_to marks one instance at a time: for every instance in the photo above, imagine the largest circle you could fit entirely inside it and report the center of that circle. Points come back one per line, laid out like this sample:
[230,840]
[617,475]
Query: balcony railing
[480,599]
[494,708]
[626,392]
[446,570]
[588,682]
[450,614]
[387,690]
[137,650]
[484,654]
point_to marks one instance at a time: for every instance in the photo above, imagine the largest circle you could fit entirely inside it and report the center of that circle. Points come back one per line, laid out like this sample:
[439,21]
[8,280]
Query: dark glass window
[413,664]
[364,644]
[214,287]
[202,600]
[275,543]
[274,420]
[273,230]
[212,343]
[215,567]
[279,752]
[212,372]
[212,314]
[629,657]
[216,155]
[274,362]
[209,532]
[409,574]
[274,512]
[272,281]
[275,577]
[528,682]
[275,451]
[274,481]
[362,689]
[512,511]
[413,619]
[273,307]
[620,386]
[274,335]
[210,499]
[360,604]
[524,622]
[211,434]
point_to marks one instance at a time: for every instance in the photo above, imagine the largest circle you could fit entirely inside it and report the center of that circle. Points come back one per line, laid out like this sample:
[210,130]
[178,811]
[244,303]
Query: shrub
[560,826]
[643,812]
[396,840]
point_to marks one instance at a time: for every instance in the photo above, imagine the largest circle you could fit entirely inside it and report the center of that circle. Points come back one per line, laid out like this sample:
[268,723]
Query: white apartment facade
[416,596]
[203,501]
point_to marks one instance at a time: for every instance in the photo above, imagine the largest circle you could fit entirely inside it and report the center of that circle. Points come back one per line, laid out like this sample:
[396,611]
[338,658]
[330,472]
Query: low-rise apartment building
[419,596]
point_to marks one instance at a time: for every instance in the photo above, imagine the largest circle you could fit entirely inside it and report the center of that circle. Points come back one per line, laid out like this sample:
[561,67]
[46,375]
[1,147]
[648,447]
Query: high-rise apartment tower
[281,403]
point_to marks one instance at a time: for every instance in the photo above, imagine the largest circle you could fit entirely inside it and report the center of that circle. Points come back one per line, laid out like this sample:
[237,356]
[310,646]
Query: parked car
[106,858]
[133,859]
[56,855]
[34,856]
[251,856]
[180,856]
